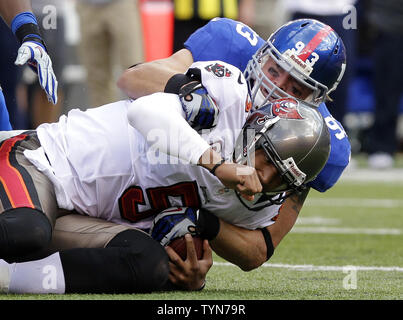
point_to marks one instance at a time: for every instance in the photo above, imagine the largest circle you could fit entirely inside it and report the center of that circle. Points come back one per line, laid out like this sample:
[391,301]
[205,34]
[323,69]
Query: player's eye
[296,92]
[273,72]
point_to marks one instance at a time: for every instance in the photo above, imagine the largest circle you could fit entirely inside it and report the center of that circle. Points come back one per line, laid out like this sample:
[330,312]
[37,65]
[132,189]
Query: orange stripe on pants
[11,178]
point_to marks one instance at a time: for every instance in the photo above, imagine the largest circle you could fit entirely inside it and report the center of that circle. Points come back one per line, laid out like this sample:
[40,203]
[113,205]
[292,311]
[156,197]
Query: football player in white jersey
[304,59]
[125,162]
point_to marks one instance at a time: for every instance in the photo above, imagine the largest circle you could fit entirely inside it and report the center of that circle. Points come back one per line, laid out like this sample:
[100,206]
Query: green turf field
[358,224]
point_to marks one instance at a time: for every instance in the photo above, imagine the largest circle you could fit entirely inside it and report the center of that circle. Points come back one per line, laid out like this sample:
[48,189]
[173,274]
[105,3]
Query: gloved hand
[200,109]
[174,223]
[36,56]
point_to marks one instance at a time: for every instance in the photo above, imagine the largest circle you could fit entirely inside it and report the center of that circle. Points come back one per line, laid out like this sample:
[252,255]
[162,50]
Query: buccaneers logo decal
[286,108]
[219,70]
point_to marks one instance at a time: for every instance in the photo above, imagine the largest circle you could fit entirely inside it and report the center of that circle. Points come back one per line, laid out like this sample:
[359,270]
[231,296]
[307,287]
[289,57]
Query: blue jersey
[4,119]
[235,43]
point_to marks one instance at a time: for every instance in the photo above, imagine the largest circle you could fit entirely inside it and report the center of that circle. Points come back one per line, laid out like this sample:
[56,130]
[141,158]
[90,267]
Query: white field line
[354,202]
[394,175]
[308,267]
[346,202]
[317,220]
[336,230]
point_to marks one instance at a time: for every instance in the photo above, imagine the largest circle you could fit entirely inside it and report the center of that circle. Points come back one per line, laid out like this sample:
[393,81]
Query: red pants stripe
[11,178]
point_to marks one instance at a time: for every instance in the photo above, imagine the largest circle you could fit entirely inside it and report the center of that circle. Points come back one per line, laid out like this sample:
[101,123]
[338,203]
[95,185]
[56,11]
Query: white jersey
[103,167]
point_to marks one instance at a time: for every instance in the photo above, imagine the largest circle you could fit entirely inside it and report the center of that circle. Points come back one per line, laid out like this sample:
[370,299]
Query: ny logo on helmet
[286,108]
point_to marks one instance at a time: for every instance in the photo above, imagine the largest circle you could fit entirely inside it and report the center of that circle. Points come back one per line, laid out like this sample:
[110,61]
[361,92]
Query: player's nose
[269,177]
[266,177]
[282,80]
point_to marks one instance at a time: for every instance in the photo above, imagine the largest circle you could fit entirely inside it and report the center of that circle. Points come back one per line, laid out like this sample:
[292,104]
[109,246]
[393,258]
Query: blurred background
[92,41]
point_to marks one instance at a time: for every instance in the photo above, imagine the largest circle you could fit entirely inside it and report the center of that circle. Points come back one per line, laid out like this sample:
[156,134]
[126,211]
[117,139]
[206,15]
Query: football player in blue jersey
[18,15]
[304,59]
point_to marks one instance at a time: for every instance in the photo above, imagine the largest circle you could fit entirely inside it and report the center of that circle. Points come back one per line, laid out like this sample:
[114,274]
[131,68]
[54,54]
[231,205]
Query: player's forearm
[244,248]
[160,119]
[151,77]
[287,217]
[248,248]
[10,8]
[139,81]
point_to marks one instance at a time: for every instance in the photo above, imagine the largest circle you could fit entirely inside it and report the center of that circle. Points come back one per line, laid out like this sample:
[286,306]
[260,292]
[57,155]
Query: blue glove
[33,52]
[174,223]
[37,58]
[200,109]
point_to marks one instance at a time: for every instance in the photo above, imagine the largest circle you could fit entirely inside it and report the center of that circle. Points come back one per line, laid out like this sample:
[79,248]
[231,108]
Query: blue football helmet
[309,50]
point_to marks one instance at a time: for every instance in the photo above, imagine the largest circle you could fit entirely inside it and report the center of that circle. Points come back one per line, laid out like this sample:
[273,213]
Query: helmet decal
[313,44]
[286,108]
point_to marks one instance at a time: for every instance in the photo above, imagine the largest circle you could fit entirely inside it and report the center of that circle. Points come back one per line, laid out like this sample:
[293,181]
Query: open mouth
[271,95]
[264,92]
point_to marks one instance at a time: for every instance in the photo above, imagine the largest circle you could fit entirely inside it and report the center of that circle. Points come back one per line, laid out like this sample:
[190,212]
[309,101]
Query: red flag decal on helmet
[316,40]
[286,108]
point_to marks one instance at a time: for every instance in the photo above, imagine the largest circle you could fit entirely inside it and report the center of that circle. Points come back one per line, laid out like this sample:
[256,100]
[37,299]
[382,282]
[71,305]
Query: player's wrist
[21,19]
[213,170]
[211,160]
[207,225]
[176,82]
[25,27]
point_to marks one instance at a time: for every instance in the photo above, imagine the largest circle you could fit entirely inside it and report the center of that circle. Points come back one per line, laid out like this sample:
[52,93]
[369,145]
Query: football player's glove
[200,109]
[33,51]
[37,58]
[174,223]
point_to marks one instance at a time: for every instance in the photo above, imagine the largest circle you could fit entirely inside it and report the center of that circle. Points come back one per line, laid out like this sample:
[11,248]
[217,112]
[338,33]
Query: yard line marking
[309,267]
[317,220]
[335,230]
[355,202]
[394,175]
